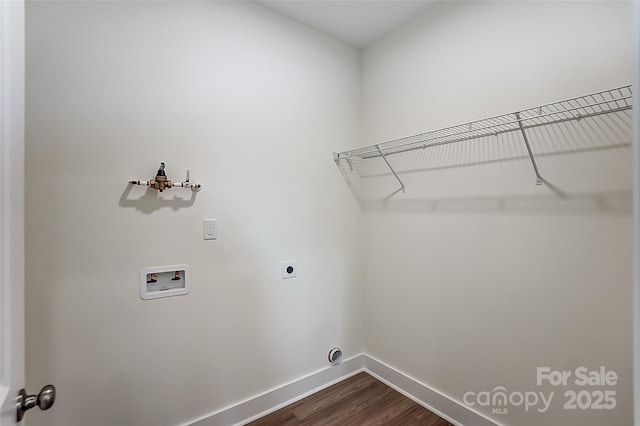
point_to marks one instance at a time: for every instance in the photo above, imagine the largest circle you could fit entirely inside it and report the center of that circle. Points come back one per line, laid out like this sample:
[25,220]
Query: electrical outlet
[289,269]
[210,229]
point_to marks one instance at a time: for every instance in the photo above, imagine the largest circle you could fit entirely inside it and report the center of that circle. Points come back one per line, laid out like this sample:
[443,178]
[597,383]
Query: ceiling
[358,23]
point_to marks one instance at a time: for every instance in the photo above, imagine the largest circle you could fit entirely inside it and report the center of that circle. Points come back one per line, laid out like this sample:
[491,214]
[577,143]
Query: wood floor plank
[344,411]
[418,415]
[302,409]
[334,395]
[386,410]
[360,400]
[399,410]
[282,417]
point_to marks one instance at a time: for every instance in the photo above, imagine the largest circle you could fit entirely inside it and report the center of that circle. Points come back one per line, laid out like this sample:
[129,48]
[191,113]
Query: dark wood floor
[357,401]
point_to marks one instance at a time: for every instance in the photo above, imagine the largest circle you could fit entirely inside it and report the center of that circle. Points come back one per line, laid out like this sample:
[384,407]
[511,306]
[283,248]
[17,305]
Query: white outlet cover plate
[286,273]
[210,229]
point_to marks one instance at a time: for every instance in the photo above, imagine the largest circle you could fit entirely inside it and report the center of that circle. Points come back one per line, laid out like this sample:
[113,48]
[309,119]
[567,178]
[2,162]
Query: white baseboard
[270,401]
[444,406]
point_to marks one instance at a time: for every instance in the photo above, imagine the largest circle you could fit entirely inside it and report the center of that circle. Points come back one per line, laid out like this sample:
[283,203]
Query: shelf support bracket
[526,142]
[336,158]
[384,157]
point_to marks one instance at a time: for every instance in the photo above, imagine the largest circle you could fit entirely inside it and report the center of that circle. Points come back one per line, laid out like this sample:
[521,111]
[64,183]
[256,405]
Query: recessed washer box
[164,281]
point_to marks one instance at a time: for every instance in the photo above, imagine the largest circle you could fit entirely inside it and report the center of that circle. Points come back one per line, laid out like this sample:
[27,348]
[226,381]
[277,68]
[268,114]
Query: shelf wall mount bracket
[526,142]
[336,158]
[384,157]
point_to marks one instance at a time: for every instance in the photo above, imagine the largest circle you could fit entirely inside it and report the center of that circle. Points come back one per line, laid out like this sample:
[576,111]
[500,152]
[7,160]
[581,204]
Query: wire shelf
[609,105]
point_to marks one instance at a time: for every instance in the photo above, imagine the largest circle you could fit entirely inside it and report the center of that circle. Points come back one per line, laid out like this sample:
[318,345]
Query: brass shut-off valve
[160,182]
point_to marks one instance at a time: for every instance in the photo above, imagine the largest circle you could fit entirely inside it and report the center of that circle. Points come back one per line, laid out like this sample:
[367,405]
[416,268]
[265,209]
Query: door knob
[44,400]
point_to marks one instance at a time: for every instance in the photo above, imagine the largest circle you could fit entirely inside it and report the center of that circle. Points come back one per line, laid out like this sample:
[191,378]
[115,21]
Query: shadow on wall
[152,200]
[619,203]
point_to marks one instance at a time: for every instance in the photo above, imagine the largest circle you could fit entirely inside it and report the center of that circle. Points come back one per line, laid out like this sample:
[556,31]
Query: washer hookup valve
[160,182]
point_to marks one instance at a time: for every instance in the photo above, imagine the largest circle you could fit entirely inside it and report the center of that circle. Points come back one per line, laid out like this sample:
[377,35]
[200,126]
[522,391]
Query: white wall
[475,276]
[253,105]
